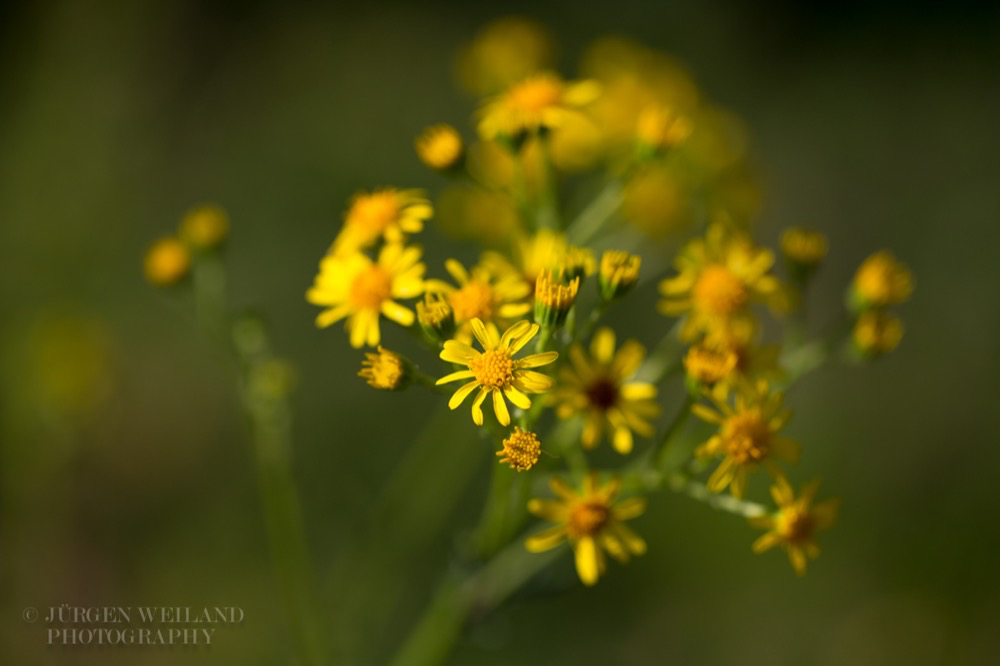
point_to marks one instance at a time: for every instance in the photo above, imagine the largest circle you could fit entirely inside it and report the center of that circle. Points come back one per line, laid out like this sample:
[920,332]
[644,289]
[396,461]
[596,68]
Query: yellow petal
[461,394]
[517,398]
[602,347]
[477,408]
[546,539]
[514,332]
[486,337]
[517,343]
[587,566]
[638,391]
[458,352]
[536,360]
[455,376]
[765,542]
[500,408]
[396,312]
[623,440]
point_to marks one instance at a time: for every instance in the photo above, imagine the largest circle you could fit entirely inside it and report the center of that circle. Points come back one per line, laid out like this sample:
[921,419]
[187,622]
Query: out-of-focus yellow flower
[554,296]
[543,251]
[619,273]
[591,521]
[877,332]
[205,227]
[167,262]
[520,450]
[747,437]
[803,248]
[656,201]
[661,128]
[355,287]
[880,281]
[387,214]
[505,51]
[795,524]
[440,147]
[709,365]
[633,78]
[723,365]
[385,370]
[541,101]
[492,296]
[495,371]
[598,387]
[719,277]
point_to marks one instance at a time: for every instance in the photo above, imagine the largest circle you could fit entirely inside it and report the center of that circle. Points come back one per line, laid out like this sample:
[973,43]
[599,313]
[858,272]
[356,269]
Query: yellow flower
[440,147]
[167,262]
[495,371]
[205,227]
[660,128]
[554,298]
[724,366]
[541,101]
[482,294]
[881,280]
[877,332]
[385,370]
[389,213]
[795,524]
[802,247]
[747,436]
[597,387]
[592,523]
[709,364]
[619,273]
[505,51]
[719,277]
[355,287]
[520,450]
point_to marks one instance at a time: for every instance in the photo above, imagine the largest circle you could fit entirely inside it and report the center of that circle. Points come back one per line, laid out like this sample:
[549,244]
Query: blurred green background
[126,479]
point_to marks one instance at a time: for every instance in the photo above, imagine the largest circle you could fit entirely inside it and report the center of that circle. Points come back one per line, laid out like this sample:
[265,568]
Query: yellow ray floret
[482,293]
[597,386]
[355,287]
[494,371]
[592,523]
[795,524]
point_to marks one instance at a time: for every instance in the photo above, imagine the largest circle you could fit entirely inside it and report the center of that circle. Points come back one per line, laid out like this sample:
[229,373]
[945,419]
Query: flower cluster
[529,327]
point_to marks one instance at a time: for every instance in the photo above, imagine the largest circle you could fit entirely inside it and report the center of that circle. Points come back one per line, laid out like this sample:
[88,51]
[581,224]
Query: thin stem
[548,201]
[681,484]
[589,222]
[661,453]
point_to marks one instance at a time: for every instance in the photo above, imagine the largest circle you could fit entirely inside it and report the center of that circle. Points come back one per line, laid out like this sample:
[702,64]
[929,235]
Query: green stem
[471,595]
[590,221]
[548,202]
[661,453]
[681,484]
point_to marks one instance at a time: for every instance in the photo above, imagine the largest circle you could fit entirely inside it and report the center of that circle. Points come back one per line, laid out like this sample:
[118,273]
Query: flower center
[718,291]
[475,299]
[795,525]
[493,368]
[370,288]
[375,212]
[602,393]
[586,518]
[747,437]
[536,94]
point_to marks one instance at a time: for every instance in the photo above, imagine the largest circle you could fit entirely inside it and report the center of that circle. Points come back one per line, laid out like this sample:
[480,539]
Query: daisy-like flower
[484,294]
[795,524]
[597,386]
[388,213]
[541,101]
[747,436]
[495,371]
[385,370]
[719,277]
[592,523]
[355,287]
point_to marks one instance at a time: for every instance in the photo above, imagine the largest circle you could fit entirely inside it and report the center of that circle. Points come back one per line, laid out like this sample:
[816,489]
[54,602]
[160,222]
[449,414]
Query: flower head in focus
[597,385]
[795,524]
[385,370]
[520,450]
[495,371]
[355,287]
[591,521]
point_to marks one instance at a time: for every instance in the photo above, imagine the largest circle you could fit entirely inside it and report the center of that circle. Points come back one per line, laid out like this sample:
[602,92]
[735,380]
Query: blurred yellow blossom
[541,101]
[591,521]
[167,262]
[505,51]
[440,147]
[387,214]
[384,370]
[795,524]
[205,227]
[881,280]
[877,332]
